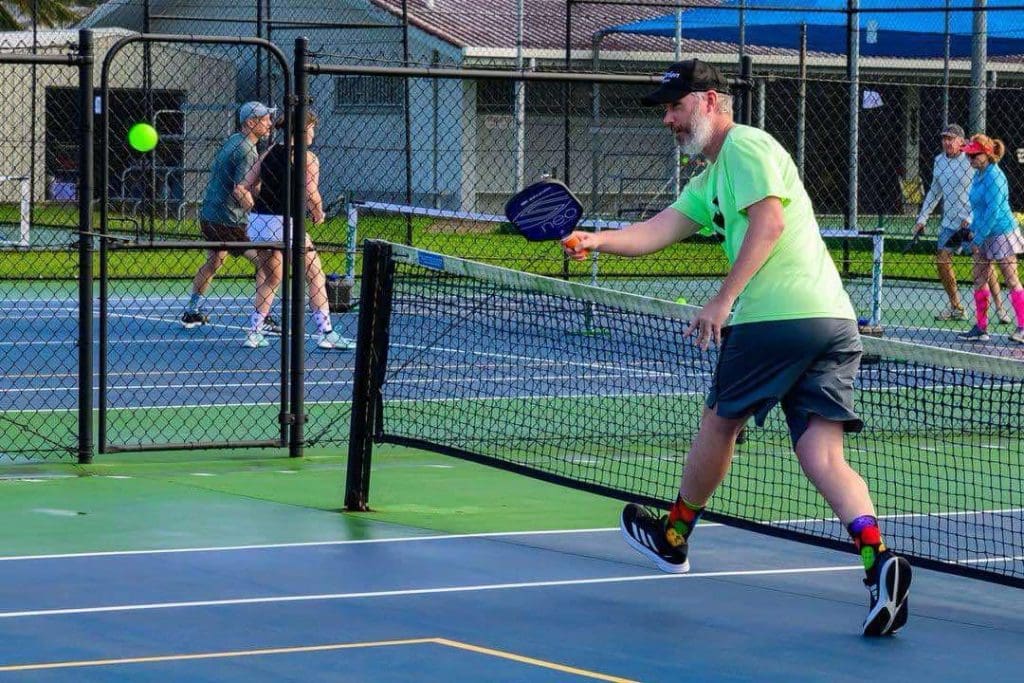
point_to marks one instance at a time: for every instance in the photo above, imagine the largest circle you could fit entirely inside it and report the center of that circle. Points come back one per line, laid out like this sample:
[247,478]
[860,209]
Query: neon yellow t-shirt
[799,279]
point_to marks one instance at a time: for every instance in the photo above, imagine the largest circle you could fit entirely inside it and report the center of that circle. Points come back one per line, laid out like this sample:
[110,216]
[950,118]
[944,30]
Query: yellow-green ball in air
[142,137]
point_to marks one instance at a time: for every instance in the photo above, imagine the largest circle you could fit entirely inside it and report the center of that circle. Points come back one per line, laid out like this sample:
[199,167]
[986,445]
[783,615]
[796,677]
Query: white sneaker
[254,340]
[952,314]
[333,340]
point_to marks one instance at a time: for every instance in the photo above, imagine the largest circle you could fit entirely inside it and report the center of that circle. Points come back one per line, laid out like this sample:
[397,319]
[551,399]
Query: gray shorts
[807,365]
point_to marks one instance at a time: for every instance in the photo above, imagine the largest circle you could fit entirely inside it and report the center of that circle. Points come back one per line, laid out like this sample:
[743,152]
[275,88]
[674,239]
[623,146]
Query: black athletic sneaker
[190,319]
[271,326]
[889,585]
[646,534]
[974,334]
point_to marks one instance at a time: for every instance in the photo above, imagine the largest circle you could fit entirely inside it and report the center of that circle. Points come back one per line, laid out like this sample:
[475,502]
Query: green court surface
[190,498]
[198,499]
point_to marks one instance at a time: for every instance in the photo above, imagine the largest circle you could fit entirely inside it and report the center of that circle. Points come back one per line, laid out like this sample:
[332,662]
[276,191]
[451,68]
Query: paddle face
[546,210]
[960,239]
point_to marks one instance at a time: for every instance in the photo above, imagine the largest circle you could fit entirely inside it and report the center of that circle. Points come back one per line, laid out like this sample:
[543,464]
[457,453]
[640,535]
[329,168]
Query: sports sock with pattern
[323,321]
[256,321]
[867,538]
[682,519]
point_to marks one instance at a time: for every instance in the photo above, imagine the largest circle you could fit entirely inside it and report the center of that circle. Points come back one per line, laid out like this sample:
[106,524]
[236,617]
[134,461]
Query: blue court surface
[152,360]
[220,391]
[400,605]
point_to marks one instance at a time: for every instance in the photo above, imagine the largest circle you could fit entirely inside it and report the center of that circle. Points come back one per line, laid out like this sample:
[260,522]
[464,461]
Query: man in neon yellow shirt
[793,338]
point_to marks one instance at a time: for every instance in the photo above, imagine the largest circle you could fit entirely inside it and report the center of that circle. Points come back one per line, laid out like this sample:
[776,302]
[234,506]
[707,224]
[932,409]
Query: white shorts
[265,228]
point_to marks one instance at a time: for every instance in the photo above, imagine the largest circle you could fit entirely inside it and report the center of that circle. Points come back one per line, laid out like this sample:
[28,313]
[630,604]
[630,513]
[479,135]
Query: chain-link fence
[436,174]
[474,138]
[427,160]
[40,257]
[399,146]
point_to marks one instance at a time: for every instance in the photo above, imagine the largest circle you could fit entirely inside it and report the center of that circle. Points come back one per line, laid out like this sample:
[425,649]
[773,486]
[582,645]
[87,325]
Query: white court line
[72,296]
[309,336]
[313,544]
[144,373]
[525,397]
[991,560]
[908,515]
[516,357]
[158,340]
[315,383]
[456,537]
[421,591]
[407,368]
[160,407]
[503,355]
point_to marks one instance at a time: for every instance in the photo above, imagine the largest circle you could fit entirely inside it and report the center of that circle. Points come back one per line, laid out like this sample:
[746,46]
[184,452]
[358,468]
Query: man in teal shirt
[793,339]
[224,215]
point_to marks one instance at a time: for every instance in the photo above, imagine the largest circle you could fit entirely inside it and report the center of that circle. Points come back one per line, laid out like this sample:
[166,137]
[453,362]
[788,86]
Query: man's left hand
[709,321]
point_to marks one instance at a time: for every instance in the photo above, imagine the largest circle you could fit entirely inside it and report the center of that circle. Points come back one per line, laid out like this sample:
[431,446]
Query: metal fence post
[747,99]
[85,191]
[298,283]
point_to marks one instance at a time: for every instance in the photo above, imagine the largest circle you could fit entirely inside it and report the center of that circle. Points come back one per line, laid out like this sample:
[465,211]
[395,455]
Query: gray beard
[700,134]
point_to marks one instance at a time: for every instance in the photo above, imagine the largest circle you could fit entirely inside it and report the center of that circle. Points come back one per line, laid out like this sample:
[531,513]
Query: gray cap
[251,110]
[953,131]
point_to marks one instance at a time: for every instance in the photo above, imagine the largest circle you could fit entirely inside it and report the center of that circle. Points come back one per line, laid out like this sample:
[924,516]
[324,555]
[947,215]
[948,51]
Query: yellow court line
[213,655]
[531,660]
[318,648]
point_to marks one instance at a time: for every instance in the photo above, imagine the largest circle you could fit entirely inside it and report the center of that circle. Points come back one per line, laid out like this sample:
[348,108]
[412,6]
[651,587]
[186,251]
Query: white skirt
[1002,247]
[265,228]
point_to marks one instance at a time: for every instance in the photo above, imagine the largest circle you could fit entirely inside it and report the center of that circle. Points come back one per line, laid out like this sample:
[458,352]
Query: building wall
[201,76]
[463,152]
[361,148]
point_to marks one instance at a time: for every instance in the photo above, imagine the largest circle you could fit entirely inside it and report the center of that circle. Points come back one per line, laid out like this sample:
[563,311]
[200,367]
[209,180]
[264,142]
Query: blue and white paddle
[546,210]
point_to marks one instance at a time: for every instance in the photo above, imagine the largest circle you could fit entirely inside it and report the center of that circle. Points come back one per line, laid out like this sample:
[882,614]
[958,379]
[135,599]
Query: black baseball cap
[683,78]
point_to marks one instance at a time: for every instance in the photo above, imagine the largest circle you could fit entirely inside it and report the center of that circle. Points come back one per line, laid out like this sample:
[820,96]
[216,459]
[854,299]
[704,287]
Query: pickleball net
[488,364]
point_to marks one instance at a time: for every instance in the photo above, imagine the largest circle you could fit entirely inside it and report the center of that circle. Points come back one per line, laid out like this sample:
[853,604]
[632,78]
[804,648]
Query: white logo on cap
[669,76]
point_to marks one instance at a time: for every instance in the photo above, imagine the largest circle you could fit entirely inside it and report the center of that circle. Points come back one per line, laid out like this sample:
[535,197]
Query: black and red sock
[682,519]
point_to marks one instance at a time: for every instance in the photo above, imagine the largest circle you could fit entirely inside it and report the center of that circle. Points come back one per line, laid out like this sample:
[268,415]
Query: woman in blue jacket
[997,237]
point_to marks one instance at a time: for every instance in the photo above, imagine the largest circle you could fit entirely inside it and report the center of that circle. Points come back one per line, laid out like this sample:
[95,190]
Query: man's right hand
[582,242]
[245,199]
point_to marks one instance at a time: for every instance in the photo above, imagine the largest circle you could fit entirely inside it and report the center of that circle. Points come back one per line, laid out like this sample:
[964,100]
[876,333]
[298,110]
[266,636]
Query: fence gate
[164,384]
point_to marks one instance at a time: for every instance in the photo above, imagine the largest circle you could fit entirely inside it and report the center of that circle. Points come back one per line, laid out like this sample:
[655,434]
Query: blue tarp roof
[883,34]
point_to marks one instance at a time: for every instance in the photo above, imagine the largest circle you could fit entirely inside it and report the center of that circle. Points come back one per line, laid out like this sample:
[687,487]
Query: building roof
[51,39]
[491,24]
[486,29]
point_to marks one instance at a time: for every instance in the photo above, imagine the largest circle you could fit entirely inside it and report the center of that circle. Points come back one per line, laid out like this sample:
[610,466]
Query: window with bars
[366,92]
